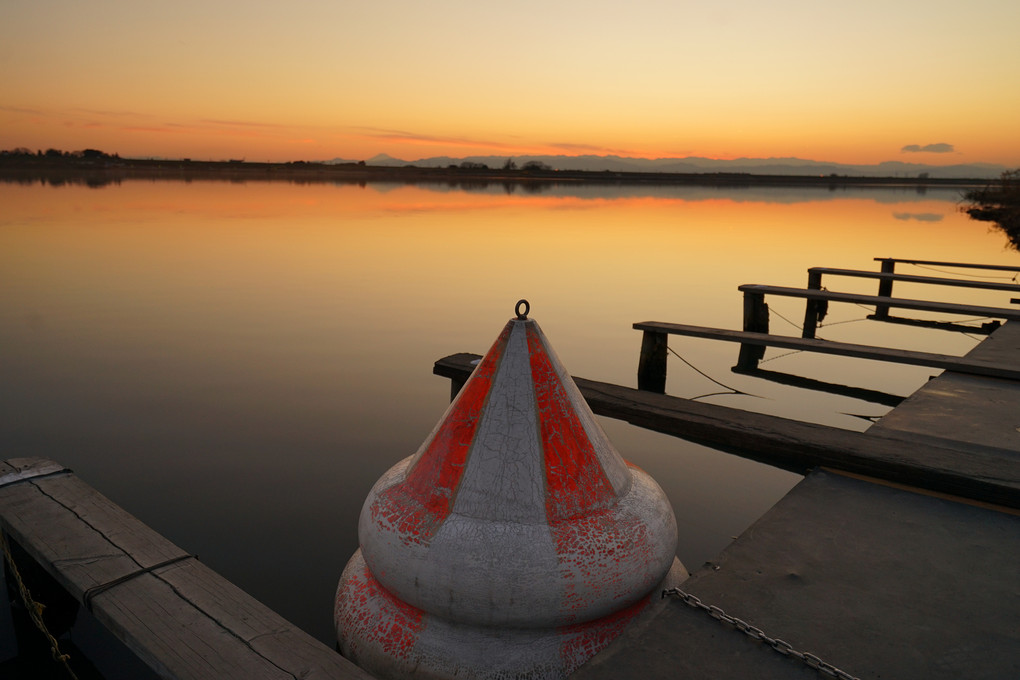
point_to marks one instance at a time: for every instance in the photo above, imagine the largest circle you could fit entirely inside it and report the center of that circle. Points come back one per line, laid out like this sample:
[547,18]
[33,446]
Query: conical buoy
[515,543]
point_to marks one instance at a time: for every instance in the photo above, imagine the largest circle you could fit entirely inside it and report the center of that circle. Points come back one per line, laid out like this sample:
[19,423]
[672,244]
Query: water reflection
[237,363]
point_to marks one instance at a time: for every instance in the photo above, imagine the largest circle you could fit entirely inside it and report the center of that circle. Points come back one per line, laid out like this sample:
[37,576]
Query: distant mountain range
[757,166]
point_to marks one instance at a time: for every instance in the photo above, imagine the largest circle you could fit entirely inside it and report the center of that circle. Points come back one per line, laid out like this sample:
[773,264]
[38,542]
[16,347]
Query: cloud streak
[434,140]
[940,147]
[919,217]
[491,146]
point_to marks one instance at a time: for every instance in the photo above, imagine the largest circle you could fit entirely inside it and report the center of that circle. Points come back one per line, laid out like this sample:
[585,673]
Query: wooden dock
[179,617]
[877,576]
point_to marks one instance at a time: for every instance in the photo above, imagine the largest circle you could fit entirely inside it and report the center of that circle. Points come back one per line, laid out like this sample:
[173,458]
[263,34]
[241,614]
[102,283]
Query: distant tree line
[56,154]
[998,203]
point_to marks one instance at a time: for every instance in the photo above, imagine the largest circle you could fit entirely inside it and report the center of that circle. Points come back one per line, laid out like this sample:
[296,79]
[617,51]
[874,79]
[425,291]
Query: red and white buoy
[515,543]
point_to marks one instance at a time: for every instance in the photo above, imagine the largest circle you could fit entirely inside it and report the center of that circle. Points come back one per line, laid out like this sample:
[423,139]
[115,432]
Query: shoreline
[99,172]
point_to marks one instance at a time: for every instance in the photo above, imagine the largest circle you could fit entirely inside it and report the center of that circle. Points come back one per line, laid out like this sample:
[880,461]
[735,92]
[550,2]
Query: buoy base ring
[391,639]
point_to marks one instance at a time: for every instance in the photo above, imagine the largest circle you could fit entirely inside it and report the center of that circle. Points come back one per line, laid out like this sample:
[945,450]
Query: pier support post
[652,362]
[756,320]
[815,310]
[885,288]
[455,385]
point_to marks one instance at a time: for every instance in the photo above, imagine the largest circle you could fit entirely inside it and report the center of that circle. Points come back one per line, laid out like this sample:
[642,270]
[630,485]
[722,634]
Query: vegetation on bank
[97,168]
[998,203]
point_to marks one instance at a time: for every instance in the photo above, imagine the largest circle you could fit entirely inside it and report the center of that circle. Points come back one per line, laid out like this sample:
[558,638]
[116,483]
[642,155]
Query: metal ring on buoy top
[517,308]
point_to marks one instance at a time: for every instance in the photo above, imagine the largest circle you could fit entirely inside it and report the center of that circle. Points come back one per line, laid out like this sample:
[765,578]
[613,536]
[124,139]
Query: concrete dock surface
[880,582]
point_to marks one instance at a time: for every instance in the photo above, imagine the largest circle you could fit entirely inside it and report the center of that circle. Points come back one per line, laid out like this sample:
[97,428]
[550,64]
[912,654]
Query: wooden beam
[902,303]
[183,620]
[900,356]
[961,265]
[981,473]
[911,278]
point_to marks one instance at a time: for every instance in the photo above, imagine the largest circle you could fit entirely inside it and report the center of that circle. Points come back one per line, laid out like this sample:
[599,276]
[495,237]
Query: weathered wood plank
[901,356]
[981,473]
[183,620]
[902,303]
[912,278]
[20,469]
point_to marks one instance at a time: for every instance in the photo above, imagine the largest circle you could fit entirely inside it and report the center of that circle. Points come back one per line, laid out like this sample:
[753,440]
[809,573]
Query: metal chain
[781,646]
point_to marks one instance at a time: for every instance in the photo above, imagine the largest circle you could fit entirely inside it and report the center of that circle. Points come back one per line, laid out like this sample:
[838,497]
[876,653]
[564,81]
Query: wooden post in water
[455,385]
[756,320]
[815,310]
[651,375]
[885,288]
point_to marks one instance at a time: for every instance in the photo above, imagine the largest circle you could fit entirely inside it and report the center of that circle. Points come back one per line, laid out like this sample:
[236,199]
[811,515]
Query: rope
[780,356]
[799,328]
[730,390]
[837,323]
[957,273]
[86,598]
[35,610]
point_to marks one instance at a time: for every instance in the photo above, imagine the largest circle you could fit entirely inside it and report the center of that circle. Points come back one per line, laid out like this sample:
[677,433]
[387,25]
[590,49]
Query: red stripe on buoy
[582,641]
[575,481]
[370,617]
[596,555]
[417,507]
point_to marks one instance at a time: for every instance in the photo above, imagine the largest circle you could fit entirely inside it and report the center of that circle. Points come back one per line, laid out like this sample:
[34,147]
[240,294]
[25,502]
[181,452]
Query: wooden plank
[27,468]
[961,265]
[183,620]
[901,356]
[911,278]
[903,303]
[981,473]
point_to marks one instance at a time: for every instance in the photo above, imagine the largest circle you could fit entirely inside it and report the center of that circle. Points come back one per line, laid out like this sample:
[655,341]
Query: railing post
[814,310]
[885,288]
[651,375]
[455,385]
[756,320]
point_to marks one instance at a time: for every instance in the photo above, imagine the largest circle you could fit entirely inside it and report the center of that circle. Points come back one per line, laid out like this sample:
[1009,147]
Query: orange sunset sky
[858,82]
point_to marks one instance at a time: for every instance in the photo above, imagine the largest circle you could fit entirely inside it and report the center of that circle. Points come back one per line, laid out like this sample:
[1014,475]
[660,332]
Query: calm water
[237,363]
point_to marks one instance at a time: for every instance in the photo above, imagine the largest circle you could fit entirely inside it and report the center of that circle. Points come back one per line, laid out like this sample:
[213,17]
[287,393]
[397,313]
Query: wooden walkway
[181,619]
